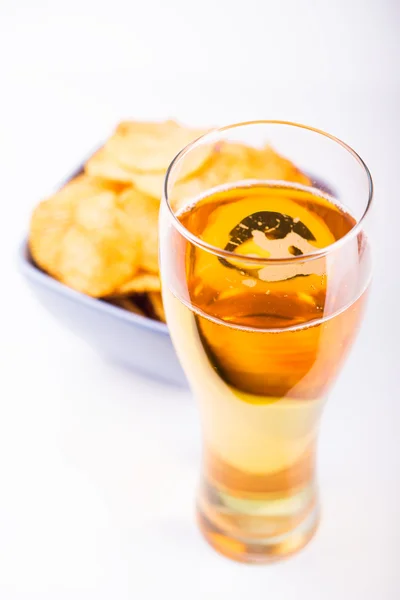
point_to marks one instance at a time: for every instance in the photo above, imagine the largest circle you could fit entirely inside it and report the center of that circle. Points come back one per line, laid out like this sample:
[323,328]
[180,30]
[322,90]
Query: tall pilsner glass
[265,264]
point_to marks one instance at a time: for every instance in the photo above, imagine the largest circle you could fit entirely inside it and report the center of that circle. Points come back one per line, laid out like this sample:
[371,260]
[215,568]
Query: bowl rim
[31,272]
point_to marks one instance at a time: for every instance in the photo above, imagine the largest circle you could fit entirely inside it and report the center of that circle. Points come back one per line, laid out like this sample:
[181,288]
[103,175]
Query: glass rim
[313,255]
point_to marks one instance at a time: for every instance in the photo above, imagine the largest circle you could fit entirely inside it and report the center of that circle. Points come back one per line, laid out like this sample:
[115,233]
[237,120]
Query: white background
[98,465]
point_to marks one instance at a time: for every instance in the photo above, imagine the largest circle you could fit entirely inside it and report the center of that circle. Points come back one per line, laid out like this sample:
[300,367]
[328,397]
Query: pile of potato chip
[99,233]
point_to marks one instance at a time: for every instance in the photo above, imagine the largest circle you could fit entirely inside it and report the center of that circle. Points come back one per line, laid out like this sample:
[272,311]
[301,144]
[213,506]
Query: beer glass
[265,265]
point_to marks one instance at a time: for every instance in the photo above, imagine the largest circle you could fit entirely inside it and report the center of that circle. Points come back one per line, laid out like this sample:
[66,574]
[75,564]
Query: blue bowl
[137,342]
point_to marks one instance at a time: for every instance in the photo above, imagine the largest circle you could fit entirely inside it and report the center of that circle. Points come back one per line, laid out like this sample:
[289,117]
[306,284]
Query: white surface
[98,465]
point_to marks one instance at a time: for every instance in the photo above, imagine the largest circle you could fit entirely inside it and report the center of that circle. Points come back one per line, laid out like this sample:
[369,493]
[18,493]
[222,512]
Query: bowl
[137,342]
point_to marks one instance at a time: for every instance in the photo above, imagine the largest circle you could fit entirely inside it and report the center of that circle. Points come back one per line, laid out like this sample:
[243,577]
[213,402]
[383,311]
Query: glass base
[258,532]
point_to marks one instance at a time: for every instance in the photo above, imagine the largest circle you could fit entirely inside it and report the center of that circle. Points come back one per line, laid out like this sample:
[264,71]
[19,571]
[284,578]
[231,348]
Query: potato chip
[52,218]
[150,147]
[81,184]
[141,283]
[150,184]
[103,166]
[80,236]
[232,162]
[142,212]
[157,305]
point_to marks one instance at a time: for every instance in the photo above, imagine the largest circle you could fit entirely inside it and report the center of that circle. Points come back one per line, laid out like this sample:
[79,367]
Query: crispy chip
[143,221]
[141,283]
[231,163]
[102,165]
[150,147]
[150,184]
[51,220]
[157,305]
[80,236]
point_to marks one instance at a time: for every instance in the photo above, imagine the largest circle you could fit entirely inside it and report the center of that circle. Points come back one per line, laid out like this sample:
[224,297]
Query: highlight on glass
[265,265]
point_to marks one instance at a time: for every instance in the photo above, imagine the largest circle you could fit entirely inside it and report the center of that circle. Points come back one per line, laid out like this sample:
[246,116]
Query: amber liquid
[261,344]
